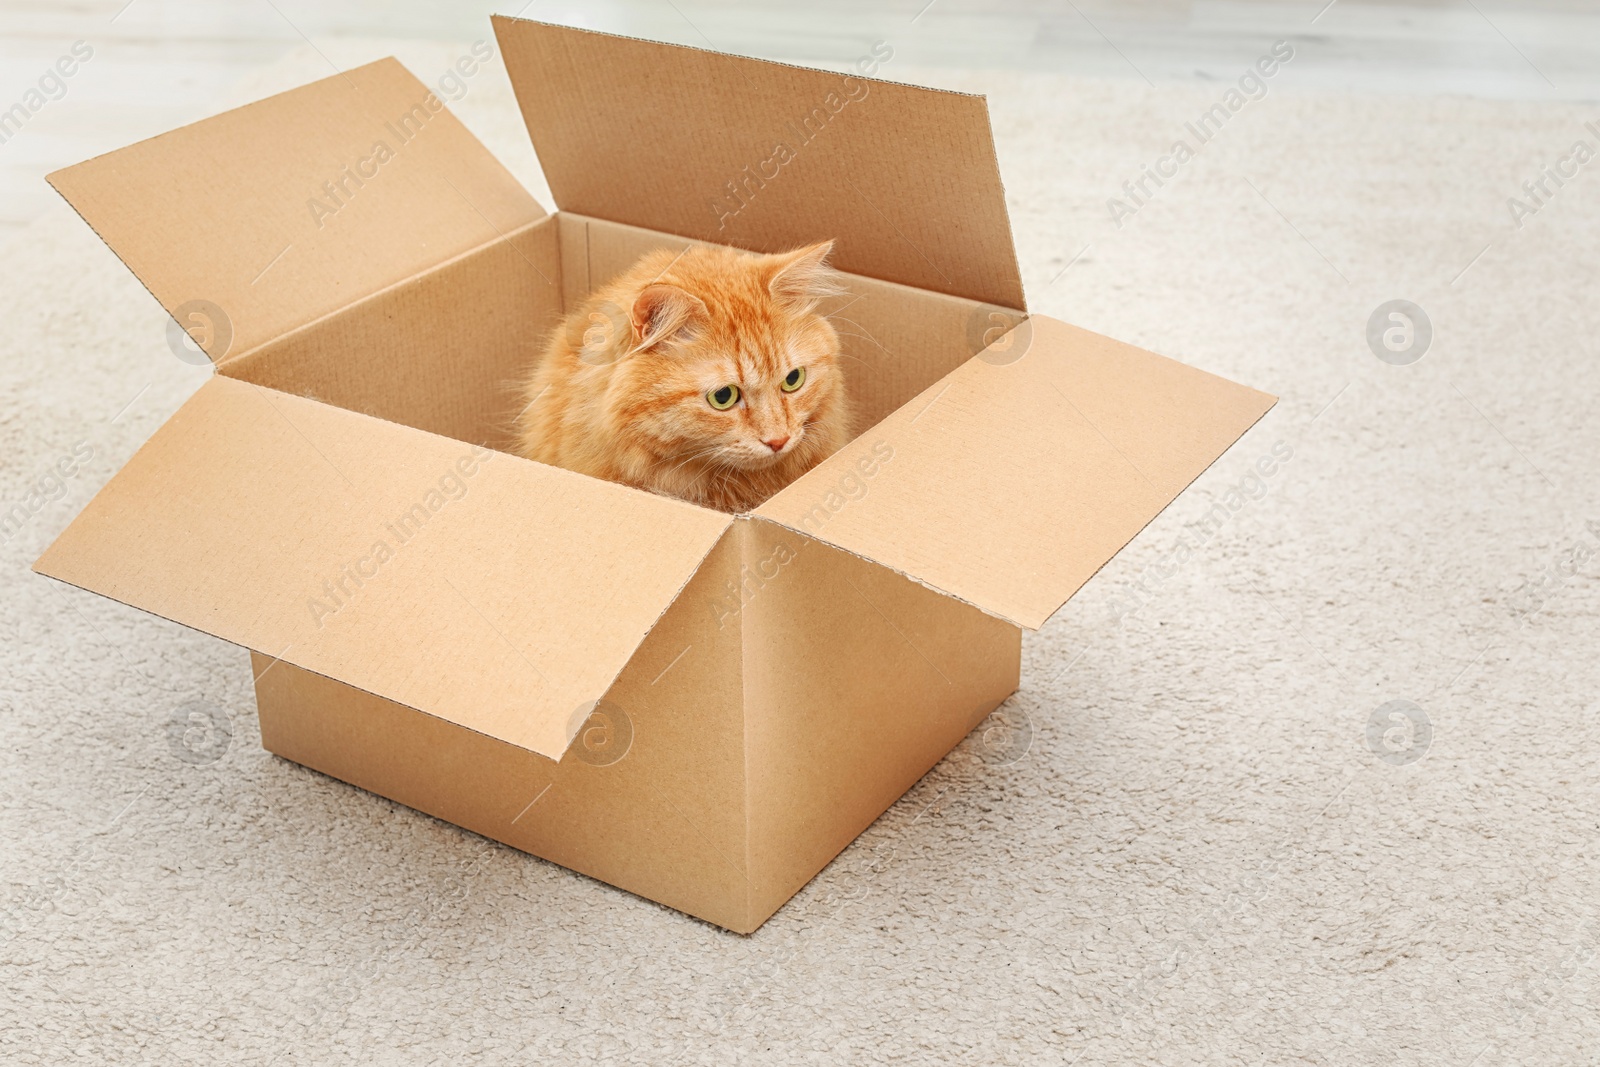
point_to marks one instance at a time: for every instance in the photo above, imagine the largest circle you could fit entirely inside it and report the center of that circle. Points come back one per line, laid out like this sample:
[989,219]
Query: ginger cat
[706,375]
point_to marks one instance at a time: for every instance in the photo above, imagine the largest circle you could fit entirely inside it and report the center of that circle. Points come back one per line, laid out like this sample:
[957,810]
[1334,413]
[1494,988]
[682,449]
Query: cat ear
[803,276]
[661,310]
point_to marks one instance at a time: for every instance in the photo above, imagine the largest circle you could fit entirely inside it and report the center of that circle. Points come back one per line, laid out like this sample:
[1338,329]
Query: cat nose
[777,443]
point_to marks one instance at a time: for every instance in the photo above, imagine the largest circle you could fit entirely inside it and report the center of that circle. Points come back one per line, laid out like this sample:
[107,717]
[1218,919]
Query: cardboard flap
[1010,482]
[497,593]
[255,221]
[767,156]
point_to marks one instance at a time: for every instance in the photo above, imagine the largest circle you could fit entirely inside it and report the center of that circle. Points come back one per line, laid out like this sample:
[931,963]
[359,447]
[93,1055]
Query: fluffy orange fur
[629,388]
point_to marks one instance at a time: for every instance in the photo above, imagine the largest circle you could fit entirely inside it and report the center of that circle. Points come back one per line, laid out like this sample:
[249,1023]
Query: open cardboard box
[700,708]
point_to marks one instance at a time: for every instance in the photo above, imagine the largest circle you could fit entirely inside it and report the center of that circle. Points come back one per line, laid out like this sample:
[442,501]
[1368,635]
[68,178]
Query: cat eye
[724,398]
[794,380]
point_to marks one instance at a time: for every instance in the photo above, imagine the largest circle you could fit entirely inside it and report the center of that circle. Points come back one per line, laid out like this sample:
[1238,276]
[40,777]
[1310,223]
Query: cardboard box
[700,708]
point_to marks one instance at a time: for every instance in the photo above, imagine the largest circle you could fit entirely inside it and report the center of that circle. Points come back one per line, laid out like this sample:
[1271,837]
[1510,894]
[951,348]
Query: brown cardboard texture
[330,193]
[322,529]
[701,708]
[768,157]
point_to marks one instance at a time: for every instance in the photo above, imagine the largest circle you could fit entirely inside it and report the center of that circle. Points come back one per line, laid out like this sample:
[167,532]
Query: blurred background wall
[160,63]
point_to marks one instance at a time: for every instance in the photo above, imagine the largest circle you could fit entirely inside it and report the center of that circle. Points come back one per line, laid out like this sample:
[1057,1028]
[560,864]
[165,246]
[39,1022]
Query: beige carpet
[1188,844]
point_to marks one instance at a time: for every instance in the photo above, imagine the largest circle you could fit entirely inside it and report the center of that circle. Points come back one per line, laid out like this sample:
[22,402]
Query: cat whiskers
[699,453]
[709,485]
[722,477]
[723,481]
[842,354]
[863,335]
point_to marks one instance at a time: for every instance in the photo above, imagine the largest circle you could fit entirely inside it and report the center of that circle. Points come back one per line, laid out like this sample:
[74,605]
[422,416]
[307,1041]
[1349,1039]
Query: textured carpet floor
[1187,843]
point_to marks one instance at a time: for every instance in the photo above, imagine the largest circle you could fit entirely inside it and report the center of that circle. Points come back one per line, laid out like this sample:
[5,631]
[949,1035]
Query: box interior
[448,349]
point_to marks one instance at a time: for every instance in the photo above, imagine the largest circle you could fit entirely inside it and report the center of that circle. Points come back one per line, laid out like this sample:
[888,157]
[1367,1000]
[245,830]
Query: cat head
[732,367]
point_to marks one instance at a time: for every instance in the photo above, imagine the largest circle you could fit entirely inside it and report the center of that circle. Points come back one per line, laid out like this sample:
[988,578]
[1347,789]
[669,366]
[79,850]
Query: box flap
[255,221]
[1010,482]
[497,593]
[768,156]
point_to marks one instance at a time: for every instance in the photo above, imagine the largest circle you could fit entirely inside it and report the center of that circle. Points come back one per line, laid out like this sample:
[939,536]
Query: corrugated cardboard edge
[94,230]
[494,19]
[889,567]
